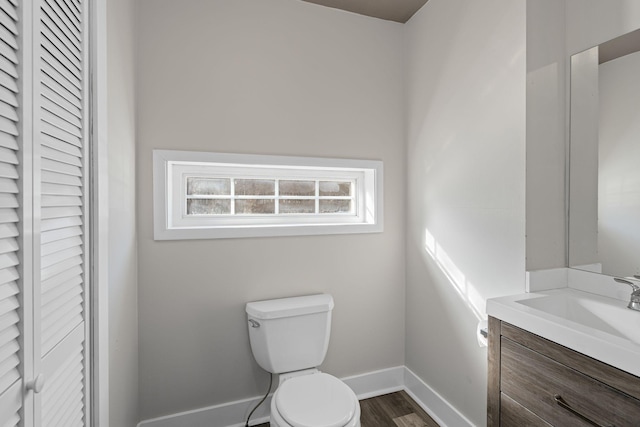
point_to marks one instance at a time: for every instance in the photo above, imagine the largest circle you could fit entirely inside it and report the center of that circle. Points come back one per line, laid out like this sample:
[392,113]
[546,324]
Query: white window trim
[168,193]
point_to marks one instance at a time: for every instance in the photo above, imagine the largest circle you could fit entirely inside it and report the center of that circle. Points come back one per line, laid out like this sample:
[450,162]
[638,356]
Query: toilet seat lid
[316,400]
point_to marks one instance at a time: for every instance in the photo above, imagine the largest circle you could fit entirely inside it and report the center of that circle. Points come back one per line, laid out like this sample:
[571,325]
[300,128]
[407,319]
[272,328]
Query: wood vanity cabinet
[536,382]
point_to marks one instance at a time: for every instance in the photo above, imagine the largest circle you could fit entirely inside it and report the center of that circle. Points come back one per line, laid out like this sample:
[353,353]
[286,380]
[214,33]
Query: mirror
[604,158]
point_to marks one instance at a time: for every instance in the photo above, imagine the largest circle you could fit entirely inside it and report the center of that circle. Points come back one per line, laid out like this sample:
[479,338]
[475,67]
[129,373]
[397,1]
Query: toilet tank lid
[288,307]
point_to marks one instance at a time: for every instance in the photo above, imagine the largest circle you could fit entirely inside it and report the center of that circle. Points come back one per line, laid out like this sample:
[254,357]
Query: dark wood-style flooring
[391,410]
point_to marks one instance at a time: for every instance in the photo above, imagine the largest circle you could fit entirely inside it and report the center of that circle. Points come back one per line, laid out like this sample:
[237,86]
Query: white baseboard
[376,383]
[371,384]
[232,414]
[435,405]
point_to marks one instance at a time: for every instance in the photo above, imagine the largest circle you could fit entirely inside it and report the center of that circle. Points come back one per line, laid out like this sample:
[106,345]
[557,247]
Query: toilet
[290,337]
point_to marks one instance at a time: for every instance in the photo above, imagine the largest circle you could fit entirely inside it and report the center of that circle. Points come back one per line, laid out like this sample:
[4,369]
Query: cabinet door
[44,345]
[11,385]
[60,158]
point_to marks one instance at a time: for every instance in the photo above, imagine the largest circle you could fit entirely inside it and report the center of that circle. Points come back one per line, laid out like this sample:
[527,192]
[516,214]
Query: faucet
[634,302]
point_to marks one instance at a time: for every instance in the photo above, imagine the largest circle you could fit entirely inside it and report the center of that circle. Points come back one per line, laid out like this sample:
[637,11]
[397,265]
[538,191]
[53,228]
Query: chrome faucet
[634,302]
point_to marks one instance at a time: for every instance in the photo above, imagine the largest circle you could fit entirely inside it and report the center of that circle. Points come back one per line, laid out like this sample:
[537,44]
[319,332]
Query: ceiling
[391,10]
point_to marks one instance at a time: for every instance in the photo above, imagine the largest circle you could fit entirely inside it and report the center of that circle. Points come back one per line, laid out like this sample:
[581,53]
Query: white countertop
[603,329]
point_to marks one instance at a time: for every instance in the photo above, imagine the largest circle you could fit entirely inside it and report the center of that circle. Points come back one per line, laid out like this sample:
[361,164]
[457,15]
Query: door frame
[99,218]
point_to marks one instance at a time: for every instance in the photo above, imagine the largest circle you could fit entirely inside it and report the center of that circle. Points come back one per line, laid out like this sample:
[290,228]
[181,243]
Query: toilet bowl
[290,337]
[316,400]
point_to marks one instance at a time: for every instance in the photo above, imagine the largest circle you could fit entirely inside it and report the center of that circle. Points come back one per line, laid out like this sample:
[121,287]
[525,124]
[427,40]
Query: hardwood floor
[394,410]
[391,410]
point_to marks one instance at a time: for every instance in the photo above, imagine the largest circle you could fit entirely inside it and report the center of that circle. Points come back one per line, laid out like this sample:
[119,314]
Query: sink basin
[604,314]
[598,326]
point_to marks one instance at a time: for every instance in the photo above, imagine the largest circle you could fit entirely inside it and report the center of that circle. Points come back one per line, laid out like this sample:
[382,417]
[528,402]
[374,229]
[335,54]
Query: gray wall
[123,300]
[296,79]
[546,113]
[619,174]
[281,77]
[465,93]
[583,166]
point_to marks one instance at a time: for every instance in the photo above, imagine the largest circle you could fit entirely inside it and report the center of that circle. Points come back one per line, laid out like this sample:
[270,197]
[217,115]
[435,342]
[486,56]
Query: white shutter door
[10,298]
[61,151]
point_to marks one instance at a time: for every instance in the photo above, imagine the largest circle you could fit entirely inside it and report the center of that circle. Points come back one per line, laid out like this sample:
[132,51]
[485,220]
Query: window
[212,195]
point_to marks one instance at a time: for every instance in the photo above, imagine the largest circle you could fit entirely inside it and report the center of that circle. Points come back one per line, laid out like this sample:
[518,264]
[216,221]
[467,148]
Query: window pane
[297,188]
[293,206]
[335,188]
[208,206]
[256,206]
[208,186]
[335,206]
[255,187]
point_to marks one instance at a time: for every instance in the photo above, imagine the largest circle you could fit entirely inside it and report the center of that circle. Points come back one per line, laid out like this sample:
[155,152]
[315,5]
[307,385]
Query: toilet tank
[290,334]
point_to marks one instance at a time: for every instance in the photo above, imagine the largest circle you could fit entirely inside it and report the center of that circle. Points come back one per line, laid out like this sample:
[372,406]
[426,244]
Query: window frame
[171,168]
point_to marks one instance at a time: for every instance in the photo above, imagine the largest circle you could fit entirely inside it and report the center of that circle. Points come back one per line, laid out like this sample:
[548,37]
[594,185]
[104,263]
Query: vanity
[538,381]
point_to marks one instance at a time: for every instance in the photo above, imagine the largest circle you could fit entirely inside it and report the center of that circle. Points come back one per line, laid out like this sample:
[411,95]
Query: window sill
[229,232]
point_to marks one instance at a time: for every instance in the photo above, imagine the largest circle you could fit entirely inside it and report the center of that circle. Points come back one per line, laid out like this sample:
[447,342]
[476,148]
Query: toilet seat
[318,400]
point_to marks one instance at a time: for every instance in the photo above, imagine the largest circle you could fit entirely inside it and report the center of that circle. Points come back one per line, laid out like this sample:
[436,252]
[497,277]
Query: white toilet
[290,337]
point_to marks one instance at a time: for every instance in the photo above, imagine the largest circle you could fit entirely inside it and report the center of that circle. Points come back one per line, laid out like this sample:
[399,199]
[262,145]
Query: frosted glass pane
[208,206]
[255,187]
[256,206]
[208,186]
[297,206]
[297,188]
[335,206]
[335,188]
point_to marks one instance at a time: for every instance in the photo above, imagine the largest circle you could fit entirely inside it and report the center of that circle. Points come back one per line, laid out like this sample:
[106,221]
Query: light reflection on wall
[465,289]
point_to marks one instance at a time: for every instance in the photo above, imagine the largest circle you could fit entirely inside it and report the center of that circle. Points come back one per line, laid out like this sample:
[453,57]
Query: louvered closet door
[61,150]
[10,298]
